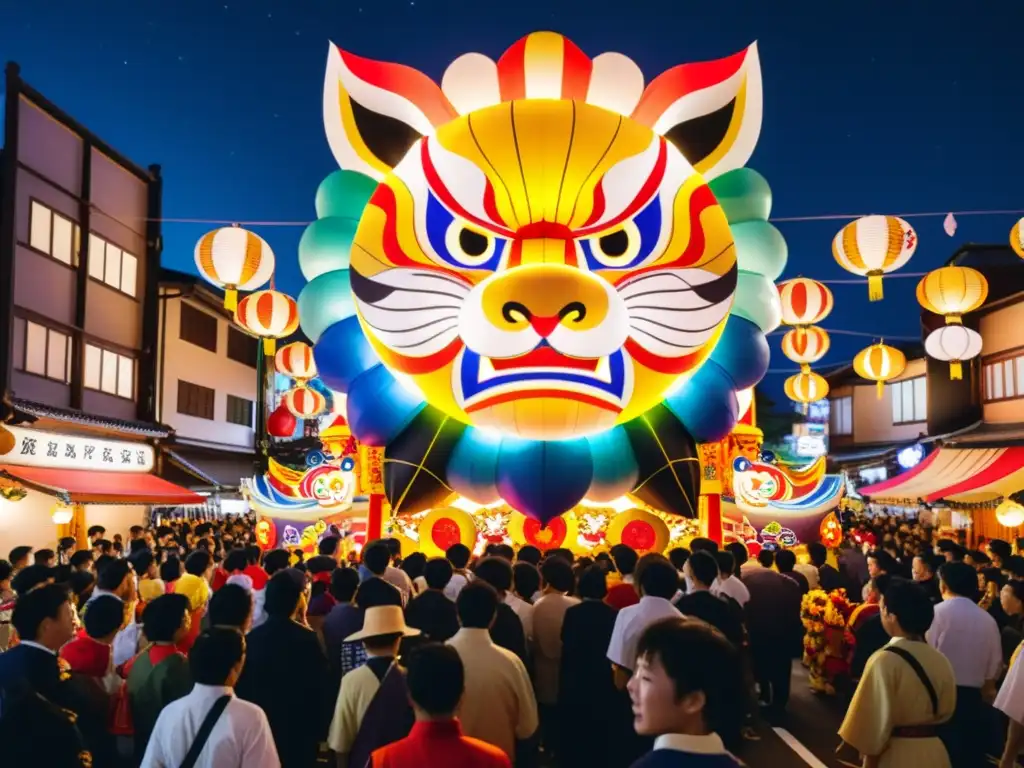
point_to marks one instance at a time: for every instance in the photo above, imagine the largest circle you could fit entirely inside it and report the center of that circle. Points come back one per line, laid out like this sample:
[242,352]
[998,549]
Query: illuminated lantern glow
[952,292]
[805,387]
[880,363]
[806,346]
[266,533]
[444,527]
[1010,514]
[804,301]
[234,259]
[281,423]
[558,532]
[1017,238]
[638,529]
[872,246]
[831,532]
[62,514]
[304,403]
[270,315]
[296,360]
[953,344]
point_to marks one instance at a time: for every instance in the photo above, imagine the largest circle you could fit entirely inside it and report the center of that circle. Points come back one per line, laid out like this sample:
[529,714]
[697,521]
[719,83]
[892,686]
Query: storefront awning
[92,487]
[956,474]
[209,469]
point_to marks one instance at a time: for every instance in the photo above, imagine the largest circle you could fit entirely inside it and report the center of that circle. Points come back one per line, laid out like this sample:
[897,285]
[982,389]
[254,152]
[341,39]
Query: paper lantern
[7,440]
[953,344]
[234,259]
[880,363]
[266,533]
[304,403]
[559,531]
[445,527]
[806,346]
[804,301]
[830,531]
[873,246]
[638,529]
[62,514]
[1017,238]
[281,423]
[1010,514]
[270,315]
[952,292]
[805,387]
[296,361]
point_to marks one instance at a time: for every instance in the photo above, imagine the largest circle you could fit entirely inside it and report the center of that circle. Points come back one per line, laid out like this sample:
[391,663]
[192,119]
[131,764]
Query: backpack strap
[205,730]
[915,665]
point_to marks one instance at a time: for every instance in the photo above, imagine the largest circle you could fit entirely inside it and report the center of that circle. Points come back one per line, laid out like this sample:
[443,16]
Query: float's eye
[469,247]
[615,249]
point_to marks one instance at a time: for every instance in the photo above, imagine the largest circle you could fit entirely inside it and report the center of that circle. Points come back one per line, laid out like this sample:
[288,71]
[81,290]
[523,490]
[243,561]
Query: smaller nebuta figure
[592,530]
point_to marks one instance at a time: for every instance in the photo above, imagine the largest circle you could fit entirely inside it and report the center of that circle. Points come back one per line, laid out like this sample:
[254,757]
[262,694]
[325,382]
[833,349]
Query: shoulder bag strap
[919,671]
[204,731]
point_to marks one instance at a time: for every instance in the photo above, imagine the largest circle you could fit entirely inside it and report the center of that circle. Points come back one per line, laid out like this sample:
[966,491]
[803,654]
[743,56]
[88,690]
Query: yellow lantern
[1010,514]
[872,246]
[234,259]
[304,403]
[806,387]
[880,363]
[1017,238]
[806,346]
[953,344]
[270,315]
[296,360]
[952,292]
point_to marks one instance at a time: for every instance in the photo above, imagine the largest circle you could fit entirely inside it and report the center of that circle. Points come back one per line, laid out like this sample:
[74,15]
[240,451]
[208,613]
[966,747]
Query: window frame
[250,407]
[184,308]
[69,345]
[835,416]
[896,390]
[102,280]
[119,357]
[1014,358]
[76,234]
[249,340]
[198,388]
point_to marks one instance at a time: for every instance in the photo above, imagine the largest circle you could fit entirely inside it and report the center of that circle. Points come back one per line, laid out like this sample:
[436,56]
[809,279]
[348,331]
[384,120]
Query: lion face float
[540,257]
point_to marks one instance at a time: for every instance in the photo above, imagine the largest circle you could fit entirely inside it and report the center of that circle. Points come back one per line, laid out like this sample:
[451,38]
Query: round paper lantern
[445,527]
[1017,238]
[872,246]
[952,291]
[281,423]
[304,403]
[880,363]
[805,387]
[296,361]
[270,315]
[266,533]
[806,346]
[559,532]
[804,301]
[830,531]
[953,344]
[1010,514]
[234,259]
[638,529]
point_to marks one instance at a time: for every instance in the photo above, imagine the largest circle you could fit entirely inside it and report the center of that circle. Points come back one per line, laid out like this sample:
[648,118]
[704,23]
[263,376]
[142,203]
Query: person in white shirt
[658,582]
[458,555]
[726,583]
[240,735]
[1010,701]
[397,576]
[968,636]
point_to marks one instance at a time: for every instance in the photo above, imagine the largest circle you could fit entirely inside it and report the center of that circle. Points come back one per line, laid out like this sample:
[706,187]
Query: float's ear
[375,111]
[710,110]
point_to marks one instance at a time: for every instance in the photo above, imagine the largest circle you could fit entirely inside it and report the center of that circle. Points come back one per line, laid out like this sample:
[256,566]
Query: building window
[110,372]
[194,400]
[242,347]
[112,265]
[841,416]
[197,327]
[47,353]
[909,400]
[240,411]
[53,234]
[1004,379]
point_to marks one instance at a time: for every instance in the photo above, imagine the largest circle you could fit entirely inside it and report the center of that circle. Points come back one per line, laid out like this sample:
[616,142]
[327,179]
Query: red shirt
[622,596]
[258,575]
[439,744]
[87,656]
[220,578]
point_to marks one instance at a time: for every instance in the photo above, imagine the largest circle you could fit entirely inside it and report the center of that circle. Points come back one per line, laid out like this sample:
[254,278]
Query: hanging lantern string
[823,372]
[777,219]
[857,333]
[890,276]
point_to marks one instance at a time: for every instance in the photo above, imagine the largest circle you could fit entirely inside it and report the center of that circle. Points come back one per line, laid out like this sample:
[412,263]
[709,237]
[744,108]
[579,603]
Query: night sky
[870,107]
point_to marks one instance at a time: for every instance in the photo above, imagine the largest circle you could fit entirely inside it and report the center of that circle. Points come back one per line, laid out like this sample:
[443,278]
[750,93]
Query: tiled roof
[70,415]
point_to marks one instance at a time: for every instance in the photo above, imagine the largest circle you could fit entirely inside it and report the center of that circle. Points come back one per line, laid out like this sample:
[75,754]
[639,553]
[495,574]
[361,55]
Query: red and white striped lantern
[296,360]
[270,315]
[234,259]
[804,301]
[304,403]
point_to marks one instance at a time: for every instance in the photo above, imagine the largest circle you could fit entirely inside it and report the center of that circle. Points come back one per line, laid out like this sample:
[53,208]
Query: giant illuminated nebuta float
[559,280]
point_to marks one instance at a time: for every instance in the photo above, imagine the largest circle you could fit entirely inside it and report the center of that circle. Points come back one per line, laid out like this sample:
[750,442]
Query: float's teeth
[604,370]
[486,369]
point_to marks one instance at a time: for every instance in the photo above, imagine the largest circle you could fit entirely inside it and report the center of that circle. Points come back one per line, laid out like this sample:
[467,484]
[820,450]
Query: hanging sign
[54,450]
[371,469]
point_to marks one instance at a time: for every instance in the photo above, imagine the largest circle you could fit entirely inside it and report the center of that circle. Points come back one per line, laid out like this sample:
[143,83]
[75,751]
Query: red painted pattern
[438,187]
[561,394]
[642,197]
[671,85]
[576,71]
[512,72]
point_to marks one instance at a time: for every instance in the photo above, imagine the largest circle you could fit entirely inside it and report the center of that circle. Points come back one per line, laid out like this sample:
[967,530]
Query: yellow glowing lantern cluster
[880,363]
[1017,238]
[234,259]
[1010,514]
[806,387]
[304,403]
[296,361]
[952,292]
[806,346]
[270,315]
[872,246]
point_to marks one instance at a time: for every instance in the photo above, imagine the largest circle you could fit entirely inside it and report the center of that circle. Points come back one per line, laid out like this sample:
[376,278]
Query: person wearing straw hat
[373,707]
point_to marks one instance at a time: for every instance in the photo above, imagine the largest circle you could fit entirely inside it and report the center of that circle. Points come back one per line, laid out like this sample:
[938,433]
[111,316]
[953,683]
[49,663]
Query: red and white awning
[956,474]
